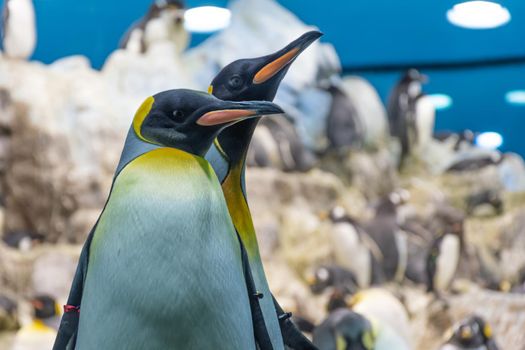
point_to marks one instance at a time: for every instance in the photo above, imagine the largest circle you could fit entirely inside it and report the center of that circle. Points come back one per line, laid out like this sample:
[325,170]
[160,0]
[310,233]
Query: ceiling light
[516,97]
[206,19]
[489,140]
[478,15]
[440,101]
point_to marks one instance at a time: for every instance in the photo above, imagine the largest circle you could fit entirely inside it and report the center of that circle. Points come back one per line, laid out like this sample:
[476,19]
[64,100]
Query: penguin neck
[234,142]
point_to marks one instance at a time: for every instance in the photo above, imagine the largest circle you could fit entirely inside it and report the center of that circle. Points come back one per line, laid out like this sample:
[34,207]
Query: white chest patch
[20,31]
[447,262]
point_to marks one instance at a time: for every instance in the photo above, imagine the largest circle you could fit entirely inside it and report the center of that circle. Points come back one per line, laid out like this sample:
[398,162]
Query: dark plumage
[476,163]
[333,276]
[489,197]
[471,333]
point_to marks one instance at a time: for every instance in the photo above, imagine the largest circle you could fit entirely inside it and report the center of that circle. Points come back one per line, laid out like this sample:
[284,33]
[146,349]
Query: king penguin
[165,269]
[472,333]
[18,28]
[253,79]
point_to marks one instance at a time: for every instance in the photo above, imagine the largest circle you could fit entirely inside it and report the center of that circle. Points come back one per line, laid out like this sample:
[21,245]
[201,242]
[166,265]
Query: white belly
[351,253]
[447,262]
[20,31]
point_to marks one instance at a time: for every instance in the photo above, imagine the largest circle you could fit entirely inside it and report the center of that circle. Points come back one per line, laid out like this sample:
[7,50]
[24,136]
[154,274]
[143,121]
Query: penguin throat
[234,141]
[232,188]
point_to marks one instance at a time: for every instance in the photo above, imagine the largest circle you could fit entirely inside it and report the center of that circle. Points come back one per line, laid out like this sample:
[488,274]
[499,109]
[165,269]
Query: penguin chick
[41,332]
[344,329]
[18,28]
[472,333]
[332,276]
[163,21]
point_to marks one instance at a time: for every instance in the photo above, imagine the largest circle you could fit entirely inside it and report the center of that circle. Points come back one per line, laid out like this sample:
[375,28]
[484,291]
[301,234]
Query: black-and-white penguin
[403,109]
[276,144]
[163,21]
[491,198]
[18,29]
[443,261]
[472,333]
[476,163]
[354,249]
[461,139]
[333,276]
[343,127]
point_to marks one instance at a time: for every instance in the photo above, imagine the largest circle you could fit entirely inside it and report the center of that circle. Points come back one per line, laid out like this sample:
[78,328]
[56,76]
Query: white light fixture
[206,19]
[516,97]
[489,140]
[440,101]
[478,15]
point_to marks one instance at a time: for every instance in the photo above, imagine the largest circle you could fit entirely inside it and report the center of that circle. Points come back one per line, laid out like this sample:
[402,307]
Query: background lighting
[478,15]
[489,140]
[206,19]
[440,101]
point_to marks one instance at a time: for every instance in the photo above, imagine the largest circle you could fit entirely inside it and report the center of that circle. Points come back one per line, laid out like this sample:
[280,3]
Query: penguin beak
[276,62]
[229,112]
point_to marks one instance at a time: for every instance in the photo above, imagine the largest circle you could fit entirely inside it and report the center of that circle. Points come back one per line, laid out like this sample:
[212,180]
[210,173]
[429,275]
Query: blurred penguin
[41,332]
[354,249]
[333,276]
[443,261]
[23,240]
[18,28]
[343,127]
[276,144]
[460,140]
[406,115]
[476,162]
[473,333]
[344,329]
[486,198]
[163,21]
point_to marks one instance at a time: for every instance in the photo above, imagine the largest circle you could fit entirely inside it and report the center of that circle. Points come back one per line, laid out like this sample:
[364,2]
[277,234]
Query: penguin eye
[178,114]
[235,81]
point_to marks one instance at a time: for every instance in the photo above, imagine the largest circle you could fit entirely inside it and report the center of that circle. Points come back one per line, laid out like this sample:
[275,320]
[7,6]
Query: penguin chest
[447,261]
[20,32]
[165,259]
[350,252]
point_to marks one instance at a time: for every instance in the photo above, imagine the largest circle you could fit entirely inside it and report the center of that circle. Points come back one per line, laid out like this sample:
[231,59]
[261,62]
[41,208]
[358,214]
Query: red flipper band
[71,308]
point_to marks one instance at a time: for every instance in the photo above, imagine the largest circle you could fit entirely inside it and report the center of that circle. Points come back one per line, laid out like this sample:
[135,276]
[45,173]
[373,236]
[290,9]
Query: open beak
[229,112]
[283,57]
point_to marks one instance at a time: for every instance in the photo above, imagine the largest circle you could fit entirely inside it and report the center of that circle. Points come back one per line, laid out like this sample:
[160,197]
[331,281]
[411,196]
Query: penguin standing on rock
[164,264]
[18,28]
[163,21]
[403,108]
[253,79]
[472,333]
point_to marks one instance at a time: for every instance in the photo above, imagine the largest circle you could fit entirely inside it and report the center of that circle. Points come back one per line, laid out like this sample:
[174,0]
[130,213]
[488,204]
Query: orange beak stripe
[275,66]
[224,116]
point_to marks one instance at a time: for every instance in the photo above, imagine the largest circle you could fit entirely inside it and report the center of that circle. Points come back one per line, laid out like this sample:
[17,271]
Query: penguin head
[470,332]
[190,120]
[320,279]
[413,81]
[258,78]
[482,326]
[173,9]
[354,332]
[44,307]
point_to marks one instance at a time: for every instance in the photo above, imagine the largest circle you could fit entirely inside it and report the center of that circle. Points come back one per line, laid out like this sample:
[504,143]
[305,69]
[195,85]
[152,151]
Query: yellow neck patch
[140,115]
[210,89]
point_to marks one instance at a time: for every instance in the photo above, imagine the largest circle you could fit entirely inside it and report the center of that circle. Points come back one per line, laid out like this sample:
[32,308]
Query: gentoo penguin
[253,79]
[354,249]
[345,329]
[18,28]
[191,275]
[476,163]
[41,332]
[332,276]
[491,198]
[163,21]
[403,111]
[443,261]
[472,333]
[343,127]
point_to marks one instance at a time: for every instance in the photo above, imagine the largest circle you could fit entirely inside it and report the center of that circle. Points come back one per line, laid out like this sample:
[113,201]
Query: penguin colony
[184,162]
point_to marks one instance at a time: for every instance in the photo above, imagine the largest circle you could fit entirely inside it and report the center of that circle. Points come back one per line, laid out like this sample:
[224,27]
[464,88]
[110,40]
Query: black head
[44,307]
[413,75]
[190,120]
[469,332]
[258,78]
[355,332]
